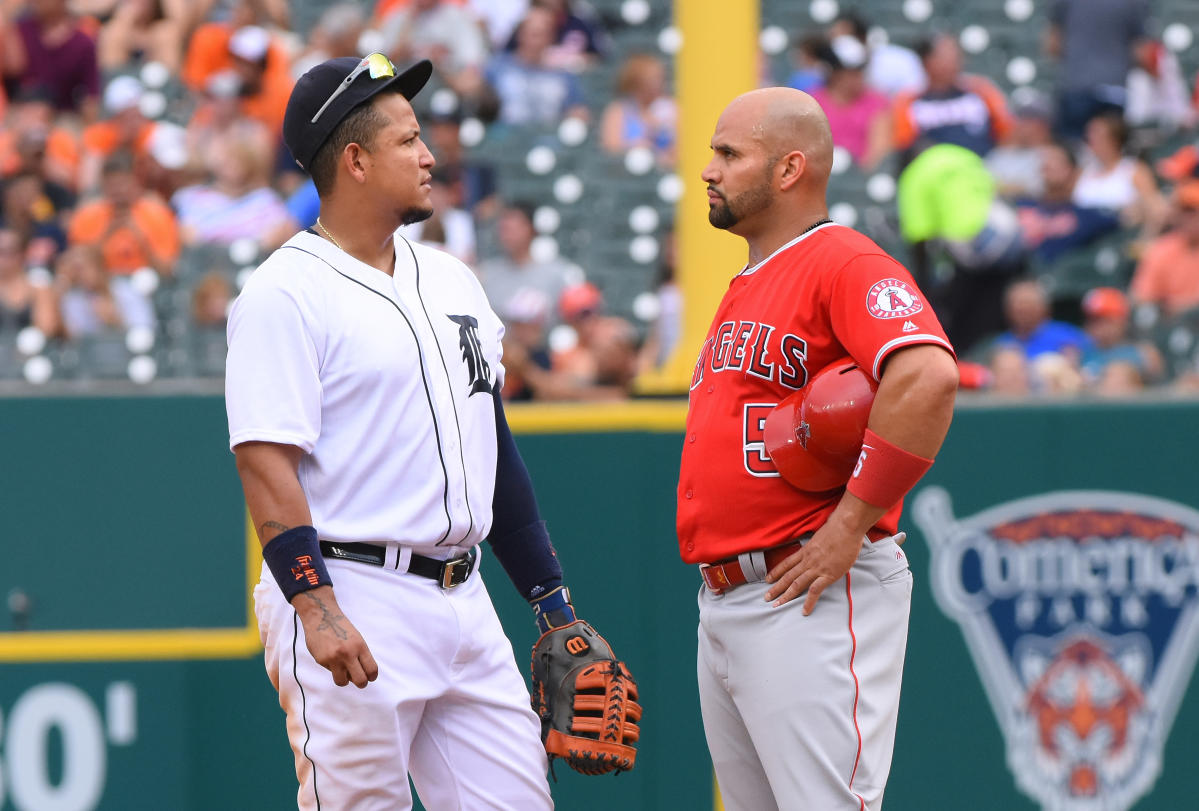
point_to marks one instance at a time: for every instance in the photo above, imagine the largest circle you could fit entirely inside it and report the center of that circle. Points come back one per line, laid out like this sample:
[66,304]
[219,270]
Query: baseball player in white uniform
[362,394]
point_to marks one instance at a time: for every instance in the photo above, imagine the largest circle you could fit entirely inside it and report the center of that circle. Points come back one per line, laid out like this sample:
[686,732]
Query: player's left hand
[818,564]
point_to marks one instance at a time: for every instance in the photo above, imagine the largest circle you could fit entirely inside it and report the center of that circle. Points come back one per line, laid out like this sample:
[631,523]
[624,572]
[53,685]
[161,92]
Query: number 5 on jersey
[757,461]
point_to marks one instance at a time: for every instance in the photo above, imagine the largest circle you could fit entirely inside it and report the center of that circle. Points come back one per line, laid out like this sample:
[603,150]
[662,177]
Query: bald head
[773,153]
[785,120]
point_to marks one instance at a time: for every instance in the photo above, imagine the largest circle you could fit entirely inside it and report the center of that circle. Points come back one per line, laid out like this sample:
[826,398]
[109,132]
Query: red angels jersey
[829,293]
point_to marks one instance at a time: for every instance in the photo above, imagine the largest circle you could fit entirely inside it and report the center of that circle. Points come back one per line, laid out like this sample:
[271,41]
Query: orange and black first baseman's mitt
[586,699]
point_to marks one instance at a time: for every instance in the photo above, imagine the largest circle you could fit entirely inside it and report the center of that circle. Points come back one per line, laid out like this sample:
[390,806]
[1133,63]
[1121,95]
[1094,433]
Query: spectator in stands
[603,361]
[1026,305]
[1113,181]
[33,141]
[531,93]
[274,14]
[526,356]
[208,51]
[472,184]
[445,32]
[1054,223]
[132,229]
[954,107]
[1036,353]
[167,166]
[666,328]
[336,33]
[516,271]
[238,203]
[1157,91]
[579,39]
[599,365]
[858,115]
[304,206]
[1114,364]
[892,68]
[218,113]
[125,130]
[643,114]
[36,209]
[22,303]
[1094,39]
[1168,274]
[144,31]
[90,301]
[809,67]
[49,48]
[948,210]
[263,89]
[1016,162]
[499,18]
[211,300]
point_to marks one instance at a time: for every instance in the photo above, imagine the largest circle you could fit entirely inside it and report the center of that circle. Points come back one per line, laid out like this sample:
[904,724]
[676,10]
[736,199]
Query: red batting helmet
[815,435]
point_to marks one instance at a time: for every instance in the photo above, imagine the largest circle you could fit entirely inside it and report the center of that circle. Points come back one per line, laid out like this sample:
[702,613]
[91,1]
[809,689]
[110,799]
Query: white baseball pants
[449,706]
[800,712]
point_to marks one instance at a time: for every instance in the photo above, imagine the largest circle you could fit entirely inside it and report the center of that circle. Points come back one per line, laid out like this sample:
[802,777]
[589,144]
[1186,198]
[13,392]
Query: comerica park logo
[1080,609]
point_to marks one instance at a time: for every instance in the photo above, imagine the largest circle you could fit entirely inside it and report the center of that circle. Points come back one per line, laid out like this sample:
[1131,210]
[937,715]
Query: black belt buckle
[454,571]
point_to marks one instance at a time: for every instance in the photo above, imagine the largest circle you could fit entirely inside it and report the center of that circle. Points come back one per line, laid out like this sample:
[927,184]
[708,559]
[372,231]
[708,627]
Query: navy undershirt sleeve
[518,535]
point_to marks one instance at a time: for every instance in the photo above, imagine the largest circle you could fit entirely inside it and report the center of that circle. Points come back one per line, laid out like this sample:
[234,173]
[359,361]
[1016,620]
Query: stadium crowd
[1055,226]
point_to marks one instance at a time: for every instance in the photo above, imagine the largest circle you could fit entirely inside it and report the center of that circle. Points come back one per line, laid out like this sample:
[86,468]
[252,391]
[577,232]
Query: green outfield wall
[1054,627]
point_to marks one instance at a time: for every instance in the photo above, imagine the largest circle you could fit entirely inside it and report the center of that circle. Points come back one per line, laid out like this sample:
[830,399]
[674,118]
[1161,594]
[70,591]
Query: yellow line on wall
[142,644]
[575,418]
[242,641]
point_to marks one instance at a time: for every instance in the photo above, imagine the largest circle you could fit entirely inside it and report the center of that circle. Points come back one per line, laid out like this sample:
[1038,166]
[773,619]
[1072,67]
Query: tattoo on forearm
[275,525]
[329,620]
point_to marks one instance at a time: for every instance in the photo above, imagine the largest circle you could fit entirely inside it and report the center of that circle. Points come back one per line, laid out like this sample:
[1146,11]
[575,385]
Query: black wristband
[294,558]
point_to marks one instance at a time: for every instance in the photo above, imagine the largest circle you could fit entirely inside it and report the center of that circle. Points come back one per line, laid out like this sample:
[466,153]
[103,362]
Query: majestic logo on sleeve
[893,298]
[477,369]
[1081,611]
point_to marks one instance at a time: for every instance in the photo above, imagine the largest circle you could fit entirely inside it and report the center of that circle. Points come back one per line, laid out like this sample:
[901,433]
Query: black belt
[448,573]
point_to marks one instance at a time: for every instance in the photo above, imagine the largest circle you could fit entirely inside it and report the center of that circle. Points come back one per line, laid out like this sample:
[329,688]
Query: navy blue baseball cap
[328,92]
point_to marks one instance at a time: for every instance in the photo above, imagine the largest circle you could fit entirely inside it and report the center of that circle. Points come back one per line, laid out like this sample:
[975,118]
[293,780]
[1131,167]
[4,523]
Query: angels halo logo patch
[893,298]
[1081,613]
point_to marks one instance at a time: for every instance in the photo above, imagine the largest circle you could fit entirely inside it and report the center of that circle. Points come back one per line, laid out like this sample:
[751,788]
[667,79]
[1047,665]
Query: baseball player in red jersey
[800,699]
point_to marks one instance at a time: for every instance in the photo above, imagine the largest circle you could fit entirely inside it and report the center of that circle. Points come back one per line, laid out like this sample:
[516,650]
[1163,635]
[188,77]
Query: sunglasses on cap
[378,64]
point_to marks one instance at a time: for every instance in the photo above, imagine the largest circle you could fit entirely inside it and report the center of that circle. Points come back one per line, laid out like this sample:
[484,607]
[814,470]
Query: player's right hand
[333,640]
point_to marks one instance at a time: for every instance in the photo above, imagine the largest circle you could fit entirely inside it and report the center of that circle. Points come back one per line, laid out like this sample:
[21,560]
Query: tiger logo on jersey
[477,369]
[893,298]
[1081,612]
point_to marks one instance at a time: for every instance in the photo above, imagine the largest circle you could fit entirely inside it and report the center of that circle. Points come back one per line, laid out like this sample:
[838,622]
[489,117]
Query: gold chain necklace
[321,226]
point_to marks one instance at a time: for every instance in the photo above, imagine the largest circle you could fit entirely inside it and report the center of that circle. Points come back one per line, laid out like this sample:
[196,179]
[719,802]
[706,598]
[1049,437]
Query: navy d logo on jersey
[1081,613]
[477,369]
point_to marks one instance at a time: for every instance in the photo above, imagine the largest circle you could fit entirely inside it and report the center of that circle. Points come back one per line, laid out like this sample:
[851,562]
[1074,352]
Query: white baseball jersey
[384,382]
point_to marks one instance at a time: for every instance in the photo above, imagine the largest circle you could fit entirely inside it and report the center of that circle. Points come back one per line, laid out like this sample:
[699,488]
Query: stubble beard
[728,213]
[416,214]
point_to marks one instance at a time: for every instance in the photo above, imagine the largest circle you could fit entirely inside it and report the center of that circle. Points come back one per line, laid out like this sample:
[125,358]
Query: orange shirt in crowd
[104,138]
[62,155]
[269,105]
[208,53]
[1168,275]
[386,7]
[149,238]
